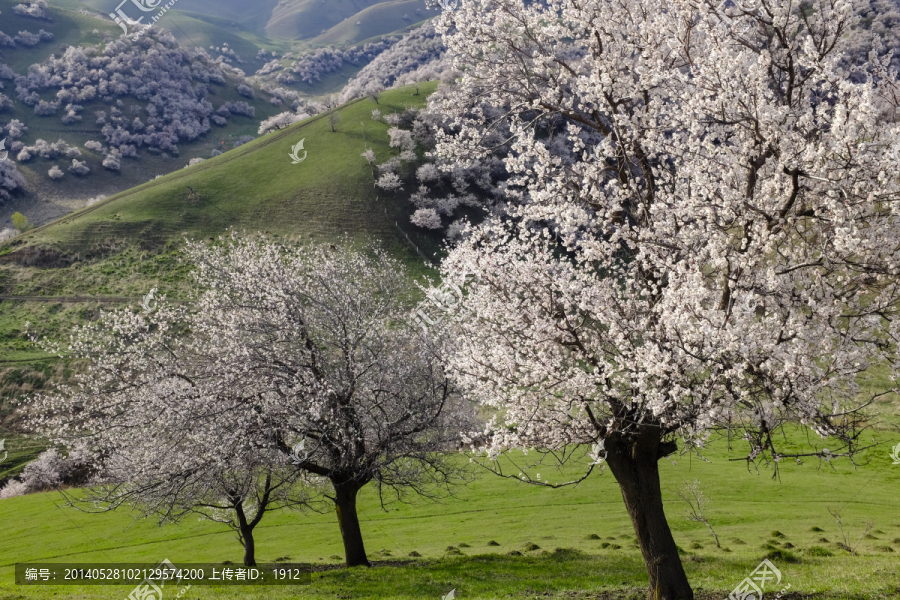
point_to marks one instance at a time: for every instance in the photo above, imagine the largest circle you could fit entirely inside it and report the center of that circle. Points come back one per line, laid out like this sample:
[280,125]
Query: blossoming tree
[291,359]
[724,258]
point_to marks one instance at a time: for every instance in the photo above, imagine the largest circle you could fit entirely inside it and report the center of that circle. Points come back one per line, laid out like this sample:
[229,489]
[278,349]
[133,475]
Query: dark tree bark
[246,536]
[633,461]
[345,507]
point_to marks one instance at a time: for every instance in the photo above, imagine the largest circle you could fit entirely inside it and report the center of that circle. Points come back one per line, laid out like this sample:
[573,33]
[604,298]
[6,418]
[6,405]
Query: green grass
[378,20]
[745,506]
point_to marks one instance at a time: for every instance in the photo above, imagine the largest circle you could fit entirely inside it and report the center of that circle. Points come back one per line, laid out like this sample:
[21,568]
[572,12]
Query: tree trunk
[249,549]
[345,507]
[246,531]
[633,461]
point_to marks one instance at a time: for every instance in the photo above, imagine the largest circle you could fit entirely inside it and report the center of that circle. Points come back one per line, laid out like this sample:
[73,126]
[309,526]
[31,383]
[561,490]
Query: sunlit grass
[493,517]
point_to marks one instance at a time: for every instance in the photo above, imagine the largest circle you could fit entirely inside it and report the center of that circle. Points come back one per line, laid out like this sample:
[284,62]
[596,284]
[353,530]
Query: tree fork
[246,535]
[633,461]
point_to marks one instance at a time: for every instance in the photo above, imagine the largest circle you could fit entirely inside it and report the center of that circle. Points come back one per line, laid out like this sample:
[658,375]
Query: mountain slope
[381,19]
[305,19]
[251,16]
[255,187]
[88,68]
[291,20]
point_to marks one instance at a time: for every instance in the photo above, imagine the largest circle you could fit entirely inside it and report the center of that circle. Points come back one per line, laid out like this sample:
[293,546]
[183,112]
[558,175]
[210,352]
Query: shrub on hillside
[20,222]
[11,181]
[280,121]
[79,168]
[37,9]
[427,218]
[12,489]
[113,160]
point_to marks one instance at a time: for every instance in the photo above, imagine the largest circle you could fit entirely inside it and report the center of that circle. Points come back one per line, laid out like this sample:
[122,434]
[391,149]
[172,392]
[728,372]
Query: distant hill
[249,16]
[305,19]
[380,19]
[323,22]
[46,198]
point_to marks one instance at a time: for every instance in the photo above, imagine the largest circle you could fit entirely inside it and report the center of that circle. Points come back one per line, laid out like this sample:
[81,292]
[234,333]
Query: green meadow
[499,538]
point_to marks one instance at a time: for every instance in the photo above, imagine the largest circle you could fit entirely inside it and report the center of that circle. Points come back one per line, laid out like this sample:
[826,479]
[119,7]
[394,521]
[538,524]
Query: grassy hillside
[47,199]
[753,515]
[378,20]
[128,244]
[304,19]
[252,187]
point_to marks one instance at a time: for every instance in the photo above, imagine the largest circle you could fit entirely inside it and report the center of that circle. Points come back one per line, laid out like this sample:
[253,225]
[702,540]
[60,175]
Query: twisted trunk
[633,461]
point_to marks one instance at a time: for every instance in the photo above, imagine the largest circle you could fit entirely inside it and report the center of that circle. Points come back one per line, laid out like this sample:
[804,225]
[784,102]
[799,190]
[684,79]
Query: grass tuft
[783,555]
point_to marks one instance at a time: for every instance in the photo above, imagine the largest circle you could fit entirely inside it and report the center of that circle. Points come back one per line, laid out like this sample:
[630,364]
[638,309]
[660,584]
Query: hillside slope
[378,20]
[254,186]
[251,16]
[85,71]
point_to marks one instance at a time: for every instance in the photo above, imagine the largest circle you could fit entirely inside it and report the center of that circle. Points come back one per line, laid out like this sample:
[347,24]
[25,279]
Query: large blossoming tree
[722,251]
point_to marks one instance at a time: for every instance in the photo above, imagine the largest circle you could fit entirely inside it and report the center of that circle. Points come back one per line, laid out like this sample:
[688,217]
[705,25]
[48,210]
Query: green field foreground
[585,544]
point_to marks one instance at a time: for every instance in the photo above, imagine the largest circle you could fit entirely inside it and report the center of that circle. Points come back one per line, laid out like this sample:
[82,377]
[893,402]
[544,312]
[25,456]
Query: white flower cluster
[720,256]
